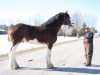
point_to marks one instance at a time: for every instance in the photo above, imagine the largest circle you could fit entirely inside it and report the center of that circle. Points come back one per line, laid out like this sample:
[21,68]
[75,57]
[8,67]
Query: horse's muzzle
[70,25]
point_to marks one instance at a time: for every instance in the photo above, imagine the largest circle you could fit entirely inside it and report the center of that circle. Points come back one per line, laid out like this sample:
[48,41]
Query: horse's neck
[56,27]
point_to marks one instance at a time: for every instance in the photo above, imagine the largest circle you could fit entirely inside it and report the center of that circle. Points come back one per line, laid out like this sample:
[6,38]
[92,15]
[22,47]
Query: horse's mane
[51,20]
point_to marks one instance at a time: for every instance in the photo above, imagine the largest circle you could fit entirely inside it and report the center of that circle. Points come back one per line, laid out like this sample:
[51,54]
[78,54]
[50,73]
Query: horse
[45,33]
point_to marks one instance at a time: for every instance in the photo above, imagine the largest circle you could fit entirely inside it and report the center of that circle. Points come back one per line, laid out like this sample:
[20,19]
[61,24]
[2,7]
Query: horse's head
[67,20]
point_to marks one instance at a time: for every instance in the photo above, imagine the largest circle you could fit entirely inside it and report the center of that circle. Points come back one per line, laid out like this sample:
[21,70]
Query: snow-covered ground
[5,45]
[67,58]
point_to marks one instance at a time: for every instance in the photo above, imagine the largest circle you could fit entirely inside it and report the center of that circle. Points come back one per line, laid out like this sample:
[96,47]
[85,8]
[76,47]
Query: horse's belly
[34,41]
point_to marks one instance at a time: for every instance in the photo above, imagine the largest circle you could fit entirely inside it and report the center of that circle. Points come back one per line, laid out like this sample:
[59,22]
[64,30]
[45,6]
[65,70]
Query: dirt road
[68,59]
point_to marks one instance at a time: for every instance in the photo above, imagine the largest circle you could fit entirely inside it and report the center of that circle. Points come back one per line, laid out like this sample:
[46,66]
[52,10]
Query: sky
[12,11]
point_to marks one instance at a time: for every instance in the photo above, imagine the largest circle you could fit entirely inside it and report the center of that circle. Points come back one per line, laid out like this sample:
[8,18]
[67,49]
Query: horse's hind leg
[48,56]
[12,61]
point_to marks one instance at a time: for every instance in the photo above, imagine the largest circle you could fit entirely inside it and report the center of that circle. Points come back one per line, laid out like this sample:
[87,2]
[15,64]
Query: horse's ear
[66,11]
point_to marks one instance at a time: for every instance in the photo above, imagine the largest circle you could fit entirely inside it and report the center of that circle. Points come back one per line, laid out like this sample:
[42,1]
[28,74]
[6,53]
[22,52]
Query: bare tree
[38,20]
[77,19]
[91,20]
[64,28]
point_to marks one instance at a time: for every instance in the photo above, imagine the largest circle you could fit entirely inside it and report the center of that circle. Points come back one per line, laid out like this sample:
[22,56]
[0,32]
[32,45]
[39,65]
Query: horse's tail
[9,39]
[9,33]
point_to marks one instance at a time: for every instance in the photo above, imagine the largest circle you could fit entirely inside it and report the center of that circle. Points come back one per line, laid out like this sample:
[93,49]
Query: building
[2,32]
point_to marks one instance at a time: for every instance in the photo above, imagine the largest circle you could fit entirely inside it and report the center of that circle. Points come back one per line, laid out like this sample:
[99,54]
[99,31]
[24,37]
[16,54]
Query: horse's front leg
[48,56]
[12,61]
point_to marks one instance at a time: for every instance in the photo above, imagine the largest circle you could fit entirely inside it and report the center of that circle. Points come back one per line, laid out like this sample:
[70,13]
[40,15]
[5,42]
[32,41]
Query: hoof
[50,66]
[14,67]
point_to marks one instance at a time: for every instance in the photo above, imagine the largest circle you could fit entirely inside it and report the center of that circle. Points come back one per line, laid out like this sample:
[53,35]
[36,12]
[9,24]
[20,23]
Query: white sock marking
[48,58]
[12,60]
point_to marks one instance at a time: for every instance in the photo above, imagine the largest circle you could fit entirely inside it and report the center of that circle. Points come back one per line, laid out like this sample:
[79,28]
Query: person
[88,45]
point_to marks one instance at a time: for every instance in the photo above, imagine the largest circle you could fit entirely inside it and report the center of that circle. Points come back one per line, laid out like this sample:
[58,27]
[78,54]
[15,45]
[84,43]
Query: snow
[5,45]
[62,39]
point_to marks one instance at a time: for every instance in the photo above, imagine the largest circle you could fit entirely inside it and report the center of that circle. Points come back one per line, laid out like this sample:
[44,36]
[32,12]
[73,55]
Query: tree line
[79,22]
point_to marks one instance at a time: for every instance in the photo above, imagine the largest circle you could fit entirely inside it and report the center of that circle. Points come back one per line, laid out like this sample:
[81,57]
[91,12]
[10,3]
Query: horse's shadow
[78,70]
[67,69]
[93,65]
